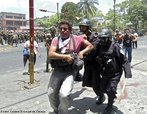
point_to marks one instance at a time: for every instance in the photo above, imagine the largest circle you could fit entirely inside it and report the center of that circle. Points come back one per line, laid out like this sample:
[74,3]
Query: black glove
[78,62]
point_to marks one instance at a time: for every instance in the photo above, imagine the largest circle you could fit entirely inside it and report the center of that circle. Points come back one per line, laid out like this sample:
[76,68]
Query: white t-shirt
[27,45]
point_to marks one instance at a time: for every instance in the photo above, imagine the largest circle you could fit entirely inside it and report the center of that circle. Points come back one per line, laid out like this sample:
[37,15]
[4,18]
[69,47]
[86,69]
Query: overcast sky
[22,6]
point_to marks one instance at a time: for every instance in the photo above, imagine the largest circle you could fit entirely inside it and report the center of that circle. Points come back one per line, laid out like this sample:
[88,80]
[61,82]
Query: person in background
[1,39]
[127,44]
[36,50]
[48,41]
[134,42]
[15,39]
[62,77]
[53,31]
[118,36]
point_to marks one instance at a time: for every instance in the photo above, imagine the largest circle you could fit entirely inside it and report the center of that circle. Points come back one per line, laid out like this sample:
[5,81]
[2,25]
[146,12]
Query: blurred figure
[127,44]
[36,50]
[118,36]
[14,39]
[53,31]
[134,42]
[1,39]
[48,41]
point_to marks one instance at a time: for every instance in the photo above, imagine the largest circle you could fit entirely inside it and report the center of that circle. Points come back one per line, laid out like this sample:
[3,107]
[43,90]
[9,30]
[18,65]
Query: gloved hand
[78,62]
[128,75]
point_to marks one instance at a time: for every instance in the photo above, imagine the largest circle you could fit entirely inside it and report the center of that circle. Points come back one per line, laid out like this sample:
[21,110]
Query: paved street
[15,98]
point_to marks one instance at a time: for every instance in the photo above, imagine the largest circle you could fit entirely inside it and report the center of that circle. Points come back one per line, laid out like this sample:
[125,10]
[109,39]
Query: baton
[123,89]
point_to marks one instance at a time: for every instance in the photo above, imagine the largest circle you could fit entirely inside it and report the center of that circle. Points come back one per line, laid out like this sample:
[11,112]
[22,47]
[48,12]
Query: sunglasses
[65,29]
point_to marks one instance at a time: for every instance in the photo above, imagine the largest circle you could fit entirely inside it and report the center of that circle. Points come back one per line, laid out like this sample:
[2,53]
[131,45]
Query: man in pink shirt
[62,77]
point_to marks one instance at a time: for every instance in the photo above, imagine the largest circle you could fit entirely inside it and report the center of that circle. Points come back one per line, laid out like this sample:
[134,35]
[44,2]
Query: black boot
[78,77]
[108,109]
[54,112]
[100,100]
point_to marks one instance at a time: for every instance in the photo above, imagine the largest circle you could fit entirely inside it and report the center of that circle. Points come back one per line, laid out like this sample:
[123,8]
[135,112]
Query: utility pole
[31,58]
[58,18]
[114,13]
[58,11]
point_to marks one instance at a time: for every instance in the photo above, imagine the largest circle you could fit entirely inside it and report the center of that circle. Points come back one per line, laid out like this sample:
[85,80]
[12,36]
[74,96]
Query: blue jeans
[128,52]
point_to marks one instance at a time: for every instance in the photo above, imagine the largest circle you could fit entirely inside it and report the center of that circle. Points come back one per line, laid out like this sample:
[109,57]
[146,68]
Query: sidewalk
[17,99]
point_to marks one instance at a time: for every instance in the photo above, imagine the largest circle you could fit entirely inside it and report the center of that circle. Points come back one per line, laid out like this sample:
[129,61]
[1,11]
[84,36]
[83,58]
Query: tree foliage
[48,22]
[69,12]
[128,11]
[134,11]
[87,7]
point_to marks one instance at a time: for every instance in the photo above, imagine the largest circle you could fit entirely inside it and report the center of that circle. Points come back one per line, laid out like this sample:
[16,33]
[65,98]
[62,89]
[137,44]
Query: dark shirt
[127,41]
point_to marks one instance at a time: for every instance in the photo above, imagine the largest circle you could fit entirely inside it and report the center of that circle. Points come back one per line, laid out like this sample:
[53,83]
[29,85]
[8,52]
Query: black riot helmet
[105,36]
[85,22]
[85,26]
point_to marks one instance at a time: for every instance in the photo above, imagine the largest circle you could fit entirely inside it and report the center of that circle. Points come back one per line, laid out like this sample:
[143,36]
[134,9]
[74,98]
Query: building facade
[11,21]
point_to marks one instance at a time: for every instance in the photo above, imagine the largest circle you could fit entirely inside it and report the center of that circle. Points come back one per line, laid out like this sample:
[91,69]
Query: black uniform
[91,72]
[91,76]
[111,62]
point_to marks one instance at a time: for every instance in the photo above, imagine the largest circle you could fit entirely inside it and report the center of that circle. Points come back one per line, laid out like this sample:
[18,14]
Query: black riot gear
[111,63]
[105,36]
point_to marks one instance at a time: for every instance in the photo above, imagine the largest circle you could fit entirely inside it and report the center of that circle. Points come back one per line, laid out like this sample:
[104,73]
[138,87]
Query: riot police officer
[1,39]
[91,75]
[48,41]
[53,31]
[110,61]
[85,26]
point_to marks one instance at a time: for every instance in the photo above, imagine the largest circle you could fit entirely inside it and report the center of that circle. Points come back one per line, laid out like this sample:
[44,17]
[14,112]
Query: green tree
[134,11]
[53,20]
[69,12]
[110,19]
[87,7]
[41,22]
[48,22]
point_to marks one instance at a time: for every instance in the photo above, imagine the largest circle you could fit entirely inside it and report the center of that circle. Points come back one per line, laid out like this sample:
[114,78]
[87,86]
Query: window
[24,23]
[17,17]
[9,22]
[9,16]
[16,23]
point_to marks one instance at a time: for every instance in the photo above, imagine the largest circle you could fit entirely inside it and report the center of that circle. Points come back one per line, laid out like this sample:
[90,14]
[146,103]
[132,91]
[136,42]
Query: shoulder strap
[74,44]
[58,43]
[73,40]
[111,48]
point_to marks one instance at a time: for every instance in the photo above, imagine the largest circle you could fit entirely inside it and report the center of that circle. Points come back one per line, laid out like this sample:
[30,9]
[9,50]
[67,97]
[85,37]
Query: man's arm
[88,47]
[54,55]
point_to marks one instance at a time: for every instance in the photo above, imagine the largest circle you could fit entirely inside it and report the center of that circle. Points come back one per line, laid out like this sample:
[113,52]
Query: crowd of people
[13,38]
[127,41]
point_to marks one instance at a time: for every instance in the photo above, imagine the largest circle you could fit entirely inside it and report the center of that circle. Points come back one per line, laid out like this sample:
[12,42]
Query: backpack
[25,52]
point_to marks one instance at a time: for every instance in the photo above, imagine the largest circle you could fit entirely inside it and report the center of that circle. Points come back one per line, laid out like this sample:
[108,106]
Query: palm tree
[87,7]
